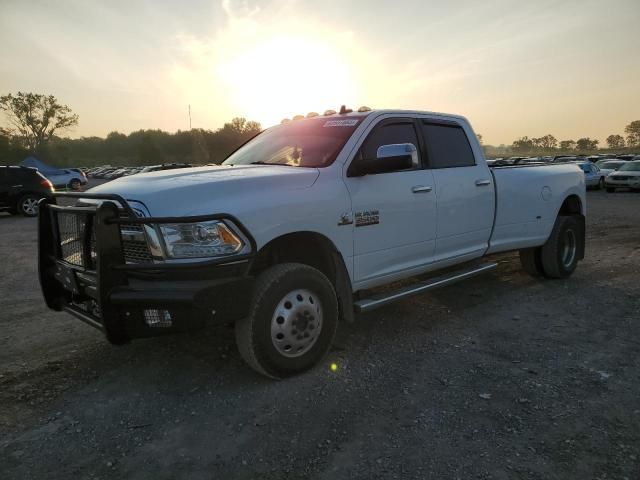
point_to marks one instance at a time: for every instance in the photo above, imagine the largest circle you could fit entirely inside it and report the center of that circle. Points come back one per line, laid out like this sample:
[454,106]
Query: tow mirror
[389,158]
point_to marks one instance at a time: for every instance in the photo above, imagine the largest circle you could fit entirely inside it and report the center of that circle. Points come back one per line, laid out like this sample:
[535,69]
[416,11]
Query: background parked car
[593,177]
[60,177]
[21,188]
[627,176]
[609,165]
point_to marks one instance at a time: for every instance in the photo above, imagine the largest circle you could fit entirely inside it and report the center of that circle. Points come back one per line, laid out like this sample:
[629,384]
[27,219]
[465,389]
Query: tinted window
[388,134]
[447,146]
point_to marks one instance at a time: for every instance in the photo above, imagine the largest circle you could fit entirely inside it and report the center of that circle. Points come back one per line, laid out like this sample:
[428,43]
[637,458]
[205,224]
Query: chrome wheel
[30,206]
[296,323]
[569,248]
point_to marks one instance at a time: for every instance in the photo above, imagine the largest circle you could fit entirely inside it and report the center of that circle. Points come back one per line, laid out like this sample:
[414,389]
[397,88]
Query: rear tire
[559,255]
[292,321]
[610,190]
[531,261]
[28,205]
[601,183]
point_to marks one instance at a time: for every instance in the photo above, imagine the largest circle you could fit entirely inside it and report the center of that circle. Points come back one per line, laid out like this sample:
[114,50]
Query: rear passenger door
[464,191]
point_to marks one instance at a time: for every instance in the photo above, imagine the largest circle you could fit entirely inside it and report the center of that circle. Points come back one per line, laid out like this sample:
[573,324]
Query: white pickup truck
[298,228]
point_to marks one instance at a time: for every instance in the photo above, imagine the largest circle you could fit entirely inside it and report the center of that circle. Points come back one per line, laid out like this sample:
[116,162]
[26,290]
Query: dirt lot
[500,377]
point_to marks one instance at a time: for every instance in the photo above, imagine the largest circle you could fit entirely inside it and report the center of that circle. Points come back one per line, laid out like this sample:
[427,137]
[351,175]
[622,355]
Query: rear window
[447,146]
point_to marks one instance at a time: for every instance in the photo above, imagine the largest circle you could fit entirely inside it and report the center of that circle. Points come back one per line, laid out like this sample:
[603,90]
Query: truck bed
[524,194]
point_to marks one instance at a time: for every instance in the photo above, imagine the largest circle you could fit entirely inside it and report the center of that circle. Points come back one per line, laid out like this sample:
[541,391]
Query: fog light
[157,318]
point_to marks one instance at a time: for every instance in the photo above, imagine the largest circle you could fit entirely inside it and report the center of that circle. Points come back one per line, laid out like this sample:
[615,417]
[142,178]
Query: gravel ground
[502,376]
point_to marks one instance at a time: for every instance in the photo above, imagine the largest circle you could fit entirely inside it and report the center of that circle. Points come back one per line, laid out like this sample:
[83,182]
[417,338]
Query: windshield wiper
[260,162]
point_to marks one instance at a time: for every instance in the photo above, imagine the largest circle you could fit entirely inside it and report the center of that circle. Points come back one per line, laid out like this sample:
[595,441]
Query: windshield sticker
[340,123]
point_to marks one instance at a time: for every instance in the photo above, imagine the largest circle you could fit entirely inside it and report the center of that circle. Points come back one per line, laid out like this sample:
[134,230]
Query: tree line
[35,122]
[549,143]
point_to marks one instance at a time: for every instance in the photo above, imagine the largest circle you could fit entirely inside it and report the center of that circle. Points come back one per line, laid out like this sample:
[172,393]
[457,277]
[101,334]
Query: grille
[73,228]
[135,250]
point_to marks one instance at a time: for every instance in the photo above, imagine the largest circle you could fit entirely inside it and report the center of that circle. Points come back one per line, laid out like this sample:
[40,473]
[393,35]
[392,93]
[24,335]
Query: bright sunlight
[285,76]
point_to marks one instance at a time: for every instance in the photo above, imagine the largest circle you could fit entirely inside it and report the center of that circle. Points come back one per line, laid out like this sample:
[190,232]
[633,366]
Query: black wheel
[28,205]
[292,321]
[559,255]
[601,183]
[531,261]
[610,190]
[75,184]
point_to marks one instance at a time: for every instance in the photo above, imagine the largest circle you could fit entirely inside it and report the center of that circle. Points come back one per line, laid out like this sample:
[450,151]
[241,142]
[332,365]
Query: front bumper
[613,182]
[132,300]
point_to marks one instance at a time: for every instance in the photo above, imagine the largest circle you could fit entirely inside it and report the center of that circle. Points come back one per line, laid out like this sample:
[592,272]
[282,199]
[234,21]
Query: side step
[375,301]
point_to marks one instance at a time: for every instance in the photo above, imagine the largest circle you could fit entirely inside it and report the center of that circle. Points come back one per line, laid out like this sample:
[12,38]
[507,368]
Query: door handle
[421,189]
[483,183]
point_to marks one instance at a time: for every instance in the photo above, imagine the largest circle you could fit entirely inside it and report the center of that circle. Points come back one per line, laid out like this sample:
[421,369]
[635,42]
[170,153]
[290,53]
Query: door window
[447,146]
[388,133]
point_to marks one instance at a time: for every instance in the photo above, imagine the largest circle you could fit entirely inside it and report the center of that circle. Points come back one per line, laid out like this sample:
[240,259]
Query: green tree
[567,145]
[36,118]
[548,142]
[522,144]
[633,134]
[615,141]
[585,143]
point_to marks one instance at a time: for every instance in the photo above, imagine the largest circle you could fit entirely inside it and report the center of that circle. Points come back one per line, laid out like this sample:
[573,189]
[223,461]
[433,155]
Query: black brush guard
[87,276]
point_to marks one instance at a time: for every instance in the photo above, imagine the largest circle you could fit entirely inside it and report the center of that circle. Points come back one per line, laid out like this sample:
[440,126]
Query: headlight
[201,239]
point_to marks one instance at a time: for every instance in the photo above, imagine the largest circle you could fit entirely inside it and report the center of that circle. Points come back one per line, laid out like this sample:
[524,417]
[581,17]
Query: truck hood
[206,190]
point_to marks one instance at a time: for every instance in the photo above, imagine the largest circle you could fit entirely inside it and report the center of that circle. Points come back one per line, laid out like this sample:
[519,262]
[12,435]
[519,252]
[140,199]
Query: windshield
[609,165]
[630,167]
[312,142]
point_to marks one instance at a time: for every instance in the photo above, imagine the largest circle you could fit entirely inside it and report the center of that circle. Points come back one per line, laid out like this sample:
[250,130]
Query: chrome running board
[375,301]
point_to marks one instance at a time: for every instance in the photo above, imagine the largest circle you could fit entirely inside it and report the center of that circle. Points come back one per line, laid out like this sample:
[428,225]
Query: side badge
[368,217]
[345,219]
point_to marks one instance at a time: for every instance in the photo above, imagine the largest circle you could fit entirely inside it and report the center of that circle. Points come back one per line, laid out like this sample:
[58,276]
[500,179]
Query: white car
[593,176]
[609,165]
[297,229]
[627,176]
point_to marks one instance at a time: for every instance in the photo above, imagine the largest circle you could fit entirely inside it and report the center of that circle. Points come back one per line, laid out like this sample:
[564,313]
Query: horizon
[568,67]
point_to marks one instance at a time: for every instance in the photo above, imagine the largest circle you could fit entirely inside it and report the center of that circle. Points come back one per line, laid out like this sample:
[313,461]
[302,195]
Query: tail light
[47,183]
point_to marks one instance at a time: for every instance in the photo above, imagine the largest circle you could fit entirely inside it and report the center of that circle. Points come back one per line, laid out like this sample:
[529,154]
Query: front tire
[559,254]
[28,205]
[601,183]
[292,321]
[75,185]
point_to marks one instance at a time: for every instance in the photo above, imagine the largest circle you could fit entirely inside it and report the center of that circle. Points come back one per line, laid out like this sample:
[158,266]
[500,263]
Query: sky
[513,68]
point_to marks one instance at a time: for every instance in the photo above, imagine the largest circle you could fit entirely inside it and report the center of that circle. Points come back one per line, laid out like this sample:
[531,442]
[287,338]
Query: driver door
[394,213]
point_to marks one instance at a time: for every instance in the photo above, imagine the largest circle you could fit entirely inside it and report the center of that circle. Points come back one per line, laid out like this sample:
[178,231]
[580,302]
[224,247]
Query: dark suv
[21,188]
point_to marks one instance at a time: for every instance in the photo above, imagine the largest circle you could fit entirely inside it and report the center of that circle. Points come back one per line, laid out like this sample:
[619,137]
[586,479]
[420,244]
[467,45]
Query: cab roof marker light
[364,109]
[329,112]
[298,117]
[285,120]
[312,114]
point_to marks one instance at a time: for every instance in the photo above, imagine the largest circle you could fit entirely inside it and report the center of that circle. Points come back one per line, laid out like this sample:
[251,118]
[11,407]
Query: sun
[285,76]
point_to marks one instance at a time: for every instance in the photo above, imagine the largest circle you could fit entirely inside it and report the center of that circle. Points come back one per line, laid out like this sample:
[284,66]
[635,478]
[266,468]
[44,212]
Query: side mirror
[389,158]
